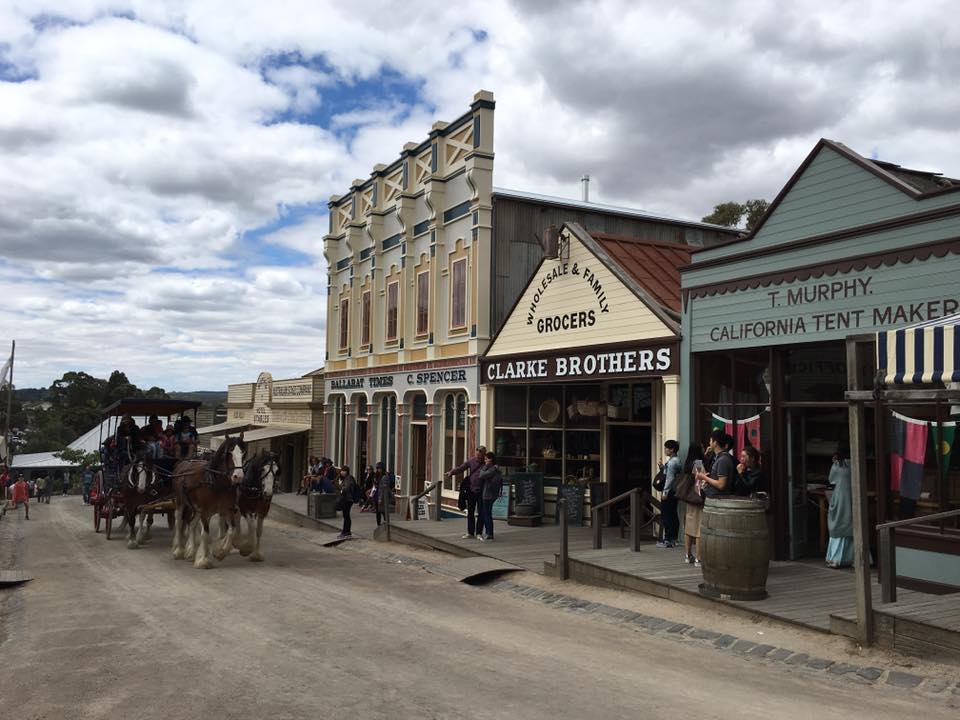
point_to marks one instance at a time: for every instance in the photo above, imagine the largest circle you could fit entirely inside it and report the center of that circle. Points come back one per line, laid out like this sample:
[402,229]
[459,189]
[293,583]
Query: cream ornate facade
[408,313]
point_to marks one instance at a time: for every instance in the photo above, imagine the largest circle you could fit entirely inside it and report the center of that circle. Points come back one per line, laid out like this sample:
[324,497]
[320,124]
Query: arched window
[388,432]
[454,435]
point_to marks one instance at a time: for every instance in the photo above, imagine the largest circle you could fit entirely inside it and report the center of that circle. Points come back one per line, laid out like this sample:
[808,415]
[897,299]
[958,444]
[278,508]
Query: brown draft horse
[202,490]
[256,493]
[142,482]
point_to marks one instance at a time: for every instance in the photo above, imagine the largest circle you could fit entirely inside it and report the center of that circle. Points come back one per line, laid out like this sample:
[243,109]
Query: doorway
[813,436]
[628,463]
[361,461]
[418,458]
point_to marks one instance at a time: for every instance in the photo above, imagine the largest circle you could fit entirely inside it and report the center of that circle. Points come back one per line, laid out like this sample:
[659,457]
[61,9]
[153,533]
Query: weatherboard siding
[628,318]
[833,194]
[862,245]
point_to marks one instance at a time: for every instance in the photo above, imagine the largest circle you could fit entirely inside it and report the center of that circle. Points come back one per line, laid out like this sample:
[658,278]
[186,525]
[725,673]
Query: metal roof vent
[585,188]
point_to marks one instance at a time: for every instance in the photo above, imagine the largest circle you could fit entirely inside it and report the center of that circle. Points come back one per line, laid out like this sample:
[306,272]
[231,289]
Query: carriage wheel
[108,513]
[171,520]
[96,517]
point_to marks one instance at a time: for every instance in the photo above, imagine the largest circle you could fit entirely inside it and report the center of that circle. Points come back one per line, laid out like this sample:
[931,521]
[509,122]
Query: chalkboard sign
[423,509]
[573,507]
[501,506]
[528,490]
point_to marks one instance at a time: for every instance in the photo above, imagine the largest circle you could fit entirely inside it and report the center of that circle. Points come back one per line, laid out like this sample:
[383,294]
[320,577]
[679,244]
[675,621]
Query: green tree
[727,214]
[755,210]
[730,214]
[78,457]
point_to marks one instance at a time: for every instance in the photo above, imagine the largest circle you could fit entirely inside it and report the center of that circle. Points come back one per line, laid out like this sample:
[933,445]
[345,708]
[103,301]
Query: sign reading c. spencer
[628,360]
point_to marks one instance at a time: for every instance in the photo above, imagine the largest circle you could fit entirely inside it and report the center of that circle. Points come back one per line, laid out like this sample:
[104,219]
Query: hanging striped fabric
[923,353]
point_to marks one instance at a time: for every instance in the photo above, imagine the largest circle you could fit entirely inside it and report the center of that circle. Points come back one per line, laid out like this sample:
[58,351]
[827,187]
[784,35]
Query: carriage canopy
[149,406]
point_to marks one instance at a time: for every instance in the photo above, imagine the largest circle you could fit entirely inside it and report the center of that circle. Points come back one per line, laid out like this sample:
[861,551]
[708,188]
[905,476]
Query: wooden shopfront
[849,247]
[581,383]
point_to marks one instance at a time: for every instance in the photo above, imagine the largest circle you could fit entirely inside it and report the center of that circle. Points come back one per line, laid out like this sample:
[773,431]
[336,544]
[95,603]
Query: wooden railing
[887,562]
[635,496]
[415,501]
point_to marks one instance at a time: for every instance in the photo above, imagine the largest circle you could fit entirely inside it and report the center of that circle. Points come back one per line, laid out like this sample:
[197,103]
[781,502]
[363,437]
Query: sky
[165,166]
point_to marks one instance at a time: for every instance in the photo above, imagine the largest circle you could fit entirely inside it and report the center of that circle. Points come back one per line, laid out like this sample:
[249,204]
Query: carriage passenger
[168,442]
[187,438]
[128,439]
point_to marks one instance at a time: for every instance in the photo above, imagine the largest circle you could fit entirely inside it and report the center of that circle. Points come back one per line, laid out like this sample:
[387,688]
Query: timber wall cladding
[833,193]
[586,287]
[829,307]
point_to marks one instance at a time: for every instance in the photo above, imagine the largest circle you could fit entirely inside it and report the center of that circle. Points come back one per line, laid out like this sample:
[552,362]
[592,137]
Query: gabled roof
[608,209]
[654,265]
[917,184]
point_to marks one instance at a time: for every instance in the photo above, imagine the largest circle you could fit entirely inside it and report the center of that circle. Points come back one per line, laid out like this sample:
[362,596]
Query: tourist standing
[474,488]
[671,468]
[87,484]
[66,482]
[719,481]
[21,495]
[348,491]
[384,482]
[492,480]
[840,514]
[693,514]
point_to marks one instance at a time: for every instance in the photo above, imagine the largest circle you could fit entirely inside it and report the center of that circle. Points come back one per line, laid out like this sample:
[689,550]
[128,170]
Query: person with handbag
[474,490]
[687,491]
[670,471]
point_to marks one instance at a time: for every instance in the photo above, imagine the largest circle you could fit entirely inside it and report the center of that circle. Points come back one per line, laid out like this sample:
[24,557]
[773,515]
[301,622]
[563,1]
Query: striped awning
[927,352]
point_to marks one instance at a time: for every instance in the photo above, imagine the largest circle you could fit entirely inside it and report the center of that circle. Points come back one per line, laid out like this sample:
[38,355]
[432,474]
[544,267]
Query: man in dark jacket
[474,487]
[492,480]
[384,483]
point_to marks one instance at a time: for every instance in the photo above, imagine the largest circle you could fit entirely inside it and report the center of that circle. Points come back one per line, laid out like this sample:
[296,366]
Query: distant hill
[30,394]
[207,397]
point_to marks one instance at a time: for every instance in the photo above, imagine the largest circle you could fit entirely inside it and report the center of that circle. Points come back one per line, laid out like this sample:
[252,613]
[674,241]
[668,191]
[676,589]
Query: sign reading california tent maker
[822,309]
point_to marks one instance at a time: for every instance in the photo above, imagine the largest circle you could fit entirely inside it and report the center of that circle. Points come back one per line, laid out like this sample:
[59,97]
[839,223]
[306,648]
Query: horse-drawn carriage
[137,482]
[121,463]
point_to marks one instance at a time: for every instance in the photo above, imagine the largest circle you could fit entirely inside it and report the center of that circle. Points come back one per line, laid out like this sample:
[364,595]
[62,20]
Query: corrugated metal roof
[611,209]
[654,265]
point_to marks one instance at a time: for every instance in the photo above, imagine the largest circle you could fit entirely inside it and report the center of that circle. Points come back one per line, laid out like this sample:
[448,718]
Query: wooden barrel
[735,549]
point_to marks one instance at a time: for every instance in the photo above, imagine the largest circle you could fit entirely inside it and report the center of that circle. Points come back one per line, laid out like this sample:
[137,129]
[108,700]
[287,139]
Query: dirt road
[104,631]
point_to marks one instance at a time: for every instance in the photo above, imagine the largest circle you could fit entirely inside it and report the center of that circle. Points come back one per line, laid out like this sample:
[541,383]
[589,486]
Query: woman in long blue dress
[840,515]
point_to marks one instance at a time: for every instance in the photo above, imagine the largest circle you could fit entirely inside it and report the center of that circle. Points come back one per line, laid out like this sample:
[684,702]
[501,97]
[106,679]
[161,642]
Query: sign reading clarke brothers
[598,362]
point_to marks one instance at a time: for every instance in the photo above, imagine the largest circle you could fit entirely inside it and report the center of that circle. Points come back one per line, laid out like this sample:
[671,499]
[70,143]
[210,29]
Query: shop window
[546,405]
[393,301]
[388,432]
[344,323]
[458,300]
[630,403]
[510,402]
[365,319]
[586,405]
[419,407]
[454,435]
[815,373]
[423,303]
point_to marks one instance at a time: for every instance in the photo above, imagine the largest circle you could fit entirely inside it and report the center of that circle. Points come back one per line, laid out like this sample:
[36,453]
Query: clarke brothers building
[426,259]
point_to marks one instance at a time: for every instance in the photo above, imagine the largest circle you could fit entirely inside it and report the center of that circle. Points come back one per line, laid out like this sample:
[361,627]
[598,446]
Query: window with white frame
[338,436]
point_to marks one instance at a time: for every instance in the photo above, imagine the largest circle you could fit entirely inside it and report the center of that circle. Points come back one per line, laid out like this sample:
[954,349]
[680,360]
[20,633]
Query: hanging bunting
[747,432]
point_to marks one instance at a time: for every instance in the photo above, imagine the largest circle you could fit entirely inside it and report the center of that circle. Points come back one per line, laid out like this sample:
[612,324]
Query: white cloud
[162,142]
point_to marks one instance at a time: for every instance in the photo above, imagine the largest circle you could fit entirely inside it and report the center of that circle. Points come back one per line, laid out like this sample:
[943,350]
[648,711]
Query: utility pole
[6,432]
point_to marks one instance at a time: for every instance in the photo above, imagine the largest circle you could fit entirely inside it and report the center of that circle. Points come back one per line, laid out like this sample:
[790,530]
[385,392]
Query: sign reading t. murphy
[600,362]
[827,308]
